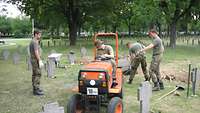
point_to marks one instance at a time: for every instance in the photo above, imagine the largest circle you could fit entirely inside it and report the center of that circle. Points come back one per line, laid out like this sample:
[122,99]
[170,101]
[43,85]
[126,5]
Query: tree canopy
[113,15]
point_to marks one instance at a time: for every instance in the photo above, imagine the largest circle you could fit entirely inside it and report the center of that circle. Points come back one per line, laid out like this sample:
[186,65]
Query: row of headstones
[192,41]
[15,56]
[194,78]
[54,43]
[50,64]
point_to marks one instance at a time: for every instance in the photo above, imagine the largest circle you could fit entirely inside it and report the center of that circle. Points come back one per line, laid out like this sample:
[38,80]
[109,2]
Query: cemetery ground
[16,89]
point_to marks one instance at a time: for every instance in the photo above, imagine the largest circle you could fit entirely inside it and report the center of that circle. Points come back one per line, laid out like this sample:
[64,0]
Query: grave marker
[83,52]
[50,68]
[5,54]
[192,41]
[71,57]
[144,95]
[52,108]
[194,80]
[16,58]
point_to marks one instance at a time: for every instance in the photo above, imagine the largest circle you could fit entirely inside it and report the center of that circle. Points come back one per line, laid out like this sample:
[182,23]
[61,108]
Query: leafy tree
[68,11]
[21,26]
[5,25]
[174,10]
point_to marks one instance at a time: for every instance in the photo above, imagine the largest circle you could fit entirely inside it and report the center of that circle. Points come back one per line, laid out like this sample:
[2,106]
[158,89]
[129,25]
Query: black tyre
[74,105]
[115,105]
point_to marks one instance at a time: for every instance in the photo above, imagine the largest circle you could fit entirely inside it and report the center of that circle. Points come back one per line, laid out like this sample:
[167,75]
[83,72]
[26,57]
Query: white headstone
[83,52]
[71,58]
[16,58]
[144,95]
[5,54]
[53,108]
[50,68]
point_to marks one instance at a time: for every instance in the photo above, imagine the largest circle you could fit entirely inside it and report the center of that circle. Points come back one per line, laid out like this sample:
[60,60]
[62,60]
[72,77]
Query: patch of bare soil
[176,70]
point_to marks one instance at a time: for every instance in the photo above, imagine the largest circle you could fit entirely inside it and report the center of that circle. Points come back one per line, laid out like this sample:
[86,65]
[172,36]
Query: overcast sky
[12,10]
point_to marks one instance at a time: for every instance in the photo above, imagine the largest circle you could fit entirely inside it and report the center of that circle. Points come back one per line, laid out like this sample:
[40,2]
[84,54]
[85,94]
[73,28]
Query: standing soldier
[154,70]
[137,58]
[36,62]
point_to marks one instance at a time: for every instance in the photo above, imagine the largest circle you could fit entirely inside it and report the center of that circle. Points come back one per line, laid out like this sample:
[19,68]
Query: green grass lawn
[16,89]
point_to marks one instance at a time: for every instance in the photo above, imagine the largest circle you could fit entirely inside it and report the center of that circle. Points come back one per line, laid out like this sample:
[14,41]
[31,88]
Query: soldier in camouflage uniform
[154,70]
[36,63]
[106,52]
[136,57]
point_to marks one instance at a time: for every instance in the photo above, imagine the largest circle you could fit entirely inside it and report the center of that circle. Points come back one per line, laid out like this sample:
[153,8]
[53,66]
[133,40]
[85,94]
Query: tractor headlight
[101,75]
[83,75]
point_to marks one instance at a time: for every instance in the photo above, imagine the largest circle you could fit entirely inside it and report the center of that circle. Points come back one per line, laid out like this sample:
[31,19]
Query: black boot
[161,85]
[38,92]
[156,87]
[114,83]
[147,79]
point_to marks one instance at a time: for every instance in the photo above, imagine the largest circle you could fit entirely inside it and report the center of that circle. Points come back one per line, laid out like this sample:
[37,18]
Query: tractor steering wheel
[101,58]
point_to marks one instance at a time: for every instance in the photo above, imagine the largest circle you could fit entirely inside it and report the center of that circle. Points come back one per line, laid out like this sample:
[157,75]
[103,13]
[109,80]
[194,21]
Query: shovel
[178,87]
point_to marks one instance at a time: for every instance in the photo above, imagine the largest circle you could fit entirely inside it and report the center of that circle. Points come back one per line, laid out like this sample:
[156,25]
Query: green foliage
[5,25]
[72,16]
[15,26]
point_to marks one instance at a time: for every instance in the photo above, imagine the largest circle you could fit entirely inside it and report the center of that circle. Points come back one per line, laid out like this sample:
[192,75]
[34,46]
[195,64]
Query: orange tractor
[95,85]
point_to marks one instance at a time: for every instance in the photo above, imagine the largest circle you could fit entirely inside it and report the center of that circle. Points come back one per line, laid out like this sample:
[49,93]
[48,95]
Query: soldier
[105,52]
[136,58]
[154,70]
[36,62]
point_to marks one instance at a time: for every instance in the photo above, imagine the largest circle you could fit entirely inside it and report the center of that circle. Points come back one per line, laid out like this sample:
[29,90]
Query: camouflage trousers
[36,74]
[135,62]
[154,70]
[112,61]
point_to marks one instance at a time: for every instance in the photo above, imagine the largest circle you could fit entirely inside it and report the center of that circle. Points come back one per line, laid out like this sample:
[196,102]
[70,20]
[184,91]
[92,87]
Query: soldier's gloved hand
[41,64]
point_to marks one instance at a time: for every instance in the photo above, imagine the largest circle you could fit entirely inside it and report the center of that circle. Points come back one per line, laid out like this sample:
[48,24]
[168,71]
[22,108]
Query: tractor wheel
[115,105]
[74,105]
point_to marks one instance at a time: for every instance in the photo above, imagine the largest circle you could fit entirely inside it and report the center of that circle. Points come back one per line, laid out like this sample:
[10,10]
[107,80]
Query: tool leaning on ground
[178,87]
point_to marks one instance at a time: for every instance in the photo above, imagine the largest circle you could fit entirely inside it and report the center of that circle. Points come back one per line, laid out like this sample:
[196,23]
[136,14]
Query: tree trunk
[114,28]
[72,33]
[57,31]
[159,29]
[173,34]
[105,28]
[168,30]
[73,22]
[129,30]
